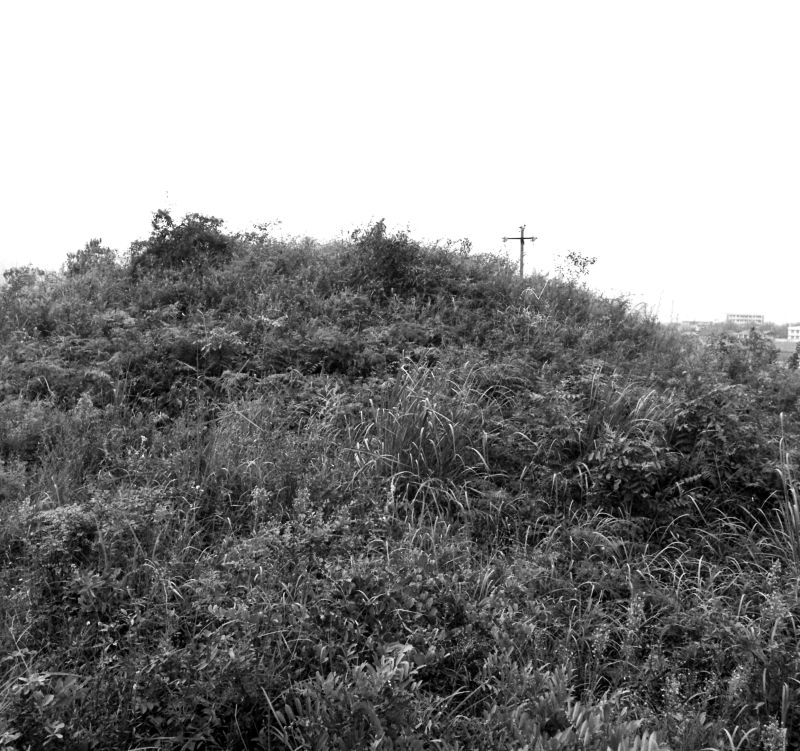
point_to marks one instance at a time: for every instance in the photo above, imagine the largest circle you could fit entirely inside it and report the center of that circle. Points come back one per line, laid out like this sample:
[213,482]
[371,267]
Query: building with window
[794,332]
[745,319]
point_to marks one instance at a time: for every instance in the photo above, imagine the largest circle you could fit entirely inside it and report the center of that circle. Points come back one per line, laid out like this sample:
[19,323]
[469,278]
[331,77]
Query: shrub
[25,302]
[794,358]
[743,358]
[386,262]
[197,241]
[92,257]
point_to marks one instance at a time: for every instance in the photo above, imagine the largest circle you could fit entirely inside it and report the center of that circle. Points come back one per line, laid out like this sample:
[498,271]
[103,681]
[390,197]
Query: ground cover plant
[378,494]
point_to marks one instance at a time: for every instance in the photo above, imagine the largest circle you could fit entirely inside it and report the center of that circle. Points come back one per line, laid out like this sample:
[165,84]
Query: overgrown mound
[379,494]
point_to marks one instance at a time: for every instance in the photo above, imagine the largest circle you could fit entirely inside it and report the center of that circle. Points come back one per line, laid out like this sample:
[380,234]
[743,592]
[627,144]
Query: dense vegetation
[262,494]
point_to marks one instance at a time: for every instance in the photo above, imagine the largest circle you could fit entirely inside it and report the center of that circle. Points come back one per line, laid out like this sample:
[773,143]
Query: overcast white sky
[662,138]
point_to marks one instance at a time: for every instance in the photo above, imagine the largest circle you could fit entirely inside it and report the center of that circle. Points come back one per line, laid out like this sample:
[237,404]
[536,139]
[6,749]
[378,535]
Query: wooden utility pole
[522,240]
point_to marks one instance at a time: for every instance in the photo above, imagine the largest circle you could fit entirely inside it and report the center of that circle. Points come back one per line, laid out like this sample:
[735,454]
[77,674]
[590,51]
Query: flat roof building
[793,332]
[745,319]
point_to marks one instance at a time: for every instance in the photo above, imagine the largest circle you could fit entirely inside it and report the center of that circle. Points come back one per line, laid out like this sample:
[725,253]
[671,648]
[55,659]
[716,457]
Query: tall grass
[428,434]
[787,531]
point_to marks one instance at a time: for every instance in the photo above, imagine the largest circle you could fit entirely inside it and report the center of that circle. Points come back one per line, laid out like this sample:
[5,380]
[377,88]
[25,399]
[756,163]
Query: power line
[522,240]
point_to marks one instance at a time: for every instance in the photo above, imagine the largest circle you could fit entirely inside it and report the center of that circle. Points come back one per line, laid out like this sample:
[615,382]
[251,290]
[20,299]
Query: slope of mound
[377,494]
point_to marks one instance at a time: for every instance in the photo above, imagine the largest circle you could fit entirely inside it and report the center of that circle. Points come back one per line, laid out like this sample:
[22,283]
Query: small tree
[389,260]
[20,277]
[25,301]
[93,255]
[197,241]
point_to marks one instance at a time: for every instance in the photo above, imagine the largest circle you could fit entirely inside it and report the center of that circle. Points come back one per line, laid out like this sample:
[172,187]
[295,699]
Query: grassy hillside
[260,494]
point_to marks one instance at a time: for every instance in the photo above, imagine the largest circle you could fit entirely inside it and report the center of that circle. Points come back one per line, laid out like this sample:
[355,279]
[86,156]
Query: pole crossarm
[522,240]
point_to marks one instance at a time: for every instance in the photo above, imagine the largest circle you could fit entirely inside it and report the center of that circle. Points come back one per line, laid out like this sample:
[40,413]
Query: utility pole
[522,240]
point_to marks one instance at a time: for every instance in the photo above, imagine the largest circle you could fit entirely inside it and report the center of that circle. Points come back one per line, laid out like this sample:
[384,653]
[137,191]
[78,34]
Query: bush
[196,242]
[92,257]
[386,262]
[25,302]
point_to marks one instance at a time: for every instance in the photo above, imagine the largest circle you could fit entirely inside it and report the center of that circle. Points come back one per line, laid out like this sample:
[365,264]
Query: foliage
[25,309]
[197,241]
[92,256]
[575,266]
[794,358]
[387,261]
[272,494]
[741,358]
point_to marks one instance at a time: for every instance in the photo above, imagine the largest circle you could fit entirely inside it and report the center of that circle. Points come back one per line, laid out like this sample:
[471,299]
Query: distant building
[745,319]
[701,324]
[794,332]
[695,326]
